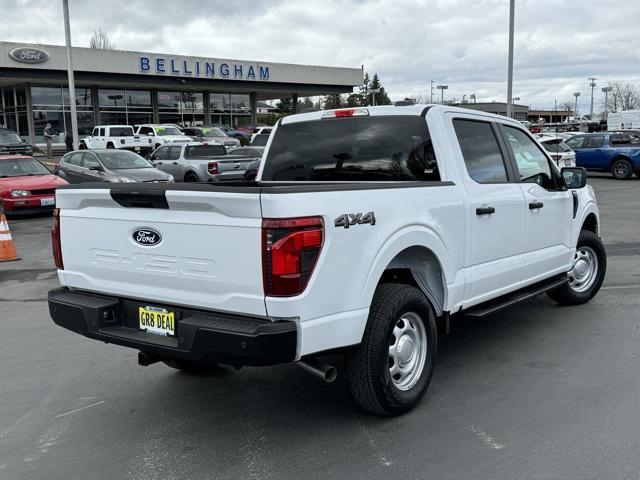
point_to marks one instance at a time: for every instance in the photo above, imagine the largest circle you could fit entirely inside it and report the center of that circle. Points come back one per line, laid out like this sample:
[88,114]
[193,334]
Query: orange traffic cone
[7,249]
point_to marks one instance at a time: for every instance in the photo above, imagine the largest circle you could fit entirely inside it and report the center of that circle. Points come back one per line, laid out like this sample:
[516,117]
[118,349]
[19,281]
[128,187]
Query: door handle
[534,205]
[158,163]
[174,163]
[485,210]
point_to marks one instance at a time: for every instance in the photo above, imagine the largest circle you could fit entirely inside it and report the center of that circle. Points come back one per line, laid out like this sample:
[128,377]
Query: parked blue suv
[612,152]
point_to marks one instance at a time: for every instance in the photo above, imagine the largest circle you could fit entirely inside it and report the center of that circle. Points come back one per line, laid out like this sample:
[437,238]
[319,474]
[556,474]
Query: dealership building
[124,87]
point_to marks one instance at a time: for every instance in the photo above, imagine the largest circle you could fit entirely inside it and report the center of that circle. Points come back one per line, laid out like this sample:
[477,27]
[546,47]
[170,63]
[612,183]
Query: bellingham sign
[29,55]
[202,69]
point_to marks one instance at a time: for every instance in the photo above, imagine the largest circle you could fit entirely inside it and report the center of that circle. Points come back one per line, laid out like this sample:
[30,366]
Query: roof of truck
[389,110]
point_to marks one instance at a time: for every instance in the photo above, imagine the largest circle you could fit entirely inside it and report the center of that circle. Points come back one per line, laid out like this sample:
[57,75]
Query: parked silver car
[198,162]
[211,135]
[108,165]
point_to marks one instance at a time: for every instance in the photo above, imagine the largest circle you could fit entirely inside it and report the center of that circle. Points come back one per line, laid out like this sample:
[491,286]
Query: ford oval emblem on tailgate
[147,237]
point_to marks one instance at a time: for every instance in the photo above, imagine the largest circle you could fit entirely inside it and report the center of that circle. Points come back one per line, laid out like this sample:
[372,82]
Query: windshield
[556,146]
[380,148]
[123,159]
[121,131]
[167,131]
[213,132]
[20,167]
[260,140]
[204,151]
[9,137]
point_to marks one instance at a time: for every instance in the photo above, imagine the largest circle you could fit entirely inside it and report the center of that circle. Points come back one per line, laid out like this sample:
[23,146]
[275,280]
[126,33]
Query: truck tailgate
[207,250]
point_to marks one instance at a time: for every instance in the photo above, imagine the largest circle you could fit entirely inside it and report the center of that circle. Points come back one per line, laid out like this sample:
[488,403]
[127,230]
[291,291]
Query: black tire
[568,294]
[82,146]
[368,367]
[190,367]
[621,169]
[190,177]
[110,146]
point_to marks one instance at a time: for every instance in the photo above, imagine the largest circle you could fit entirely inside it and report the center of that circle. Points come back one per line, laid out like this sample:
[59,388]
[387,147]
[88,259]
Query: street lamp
[512,7]
[575,112]
[606,91]
[472,97]
[515,99]
[442,88]
[72,85]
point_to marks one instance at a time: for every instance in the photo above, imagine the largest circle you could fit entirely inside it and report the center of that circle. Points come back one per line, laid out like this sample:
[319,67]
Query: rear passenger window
[174,153]
[480,151]
[74,158]
[595,142]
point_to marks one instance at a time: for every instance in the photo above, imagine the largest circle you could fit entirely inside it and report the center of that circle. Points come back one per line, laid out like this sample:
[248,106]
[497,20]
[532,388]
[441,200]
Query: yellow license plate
[159,321]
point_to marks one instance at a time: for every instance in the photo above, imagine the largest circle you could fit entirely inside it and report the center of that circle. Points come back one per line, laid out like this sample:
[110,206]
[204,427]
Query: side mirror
[150,134]
[574,177]
[96,168]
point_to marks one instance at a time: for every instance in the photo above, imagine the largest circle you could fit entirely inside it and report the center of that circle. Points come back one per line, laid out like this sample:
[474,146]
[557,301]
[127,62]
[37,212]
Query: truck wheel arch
[590,223]
[416,257]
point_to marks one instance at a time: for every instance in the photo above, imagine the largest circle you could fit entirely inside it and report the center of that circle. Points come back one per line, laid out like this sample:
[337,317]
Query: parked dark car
[12,144]
[106,165]
[607,152]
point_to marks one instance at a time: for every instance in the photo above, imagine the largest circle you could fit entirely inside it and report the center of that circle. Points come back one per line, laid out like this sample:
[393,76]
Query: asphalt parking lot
[533,392]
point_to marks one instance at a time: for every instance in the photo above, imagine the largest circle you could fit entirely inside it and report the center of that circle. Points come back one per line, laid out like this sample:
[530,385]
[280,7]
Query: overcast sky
[462,43]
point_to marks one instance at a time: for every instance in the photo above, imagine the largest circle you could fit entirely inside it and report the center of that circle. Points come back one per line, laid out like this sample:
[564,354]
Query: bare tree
[100,40]
[623,96]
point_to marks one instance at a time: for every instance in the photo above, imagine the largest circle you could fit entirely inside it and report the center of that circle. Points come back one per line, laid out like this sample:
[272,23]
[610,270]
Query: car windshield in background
[168,131]
[20,167]
[556,146]
[204,151]
[213,132]
[121,132]
[260,140]
[376,148]
[7,138]
[123,159]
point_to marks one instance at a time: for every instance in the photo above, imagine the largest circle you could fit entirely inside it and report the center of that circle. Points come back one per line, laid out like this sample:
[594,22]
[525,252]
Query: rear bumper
[201,336]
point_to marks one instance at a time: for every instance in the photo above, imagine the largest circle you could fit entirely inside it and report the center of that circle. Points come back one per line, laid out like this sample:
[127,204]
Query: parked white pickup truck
[366,228]
[159,135]
[116,136]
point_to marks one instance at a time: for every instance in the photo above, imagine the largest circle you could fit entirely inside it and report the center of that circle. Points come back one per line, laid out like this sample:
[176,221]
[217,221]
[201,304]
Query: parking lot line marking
[619,287]
[79,409]
[486,438]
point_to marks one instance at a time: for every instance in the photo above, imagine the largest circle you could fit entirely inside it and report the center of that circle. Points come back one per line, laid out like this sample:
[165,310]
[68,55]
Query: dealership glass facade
[51,105]
[13,110]
[125,107]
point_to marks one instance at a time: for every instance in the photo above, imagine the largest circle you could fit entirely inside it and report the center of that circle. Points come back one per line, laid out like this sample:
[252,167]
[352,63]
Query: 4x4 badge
[349,219]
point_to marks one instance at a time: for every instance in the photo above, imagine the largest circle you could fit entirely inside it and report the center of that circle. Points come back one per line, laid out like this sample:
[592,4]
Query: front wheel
[621,169]
[390,371]
[587,274]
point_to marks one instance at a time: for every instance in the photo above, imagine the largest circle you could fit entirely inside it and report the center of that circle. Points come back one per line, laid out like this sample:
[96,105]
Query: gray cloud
[463,43]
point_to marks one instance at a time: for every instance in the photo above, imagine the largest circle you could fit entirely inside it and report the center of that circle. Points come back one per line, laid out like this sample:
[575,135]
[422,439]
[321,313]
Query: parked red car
[26,185]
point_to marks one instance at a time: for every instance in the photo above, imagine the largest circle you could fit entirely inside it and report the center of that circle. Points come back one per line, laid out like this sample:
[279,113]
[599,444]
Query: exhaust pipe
[326,372]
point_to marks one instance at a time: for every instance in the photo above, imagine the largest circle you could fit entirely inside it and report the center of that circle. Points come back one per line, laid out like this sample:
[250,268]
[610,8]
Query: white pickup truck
[366,229]
[116,136]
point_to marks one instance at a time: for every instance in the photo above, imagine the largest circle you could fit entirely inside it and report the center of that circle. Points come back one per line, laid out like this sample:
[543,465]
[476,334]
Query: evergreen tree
[285,106]
[330,102]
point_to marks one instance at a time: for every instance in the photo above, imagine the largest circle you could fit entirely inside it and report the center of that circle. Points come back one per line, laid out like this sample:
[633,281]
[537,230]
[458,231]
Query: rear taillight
[55,239]
[213,168]
[290,250]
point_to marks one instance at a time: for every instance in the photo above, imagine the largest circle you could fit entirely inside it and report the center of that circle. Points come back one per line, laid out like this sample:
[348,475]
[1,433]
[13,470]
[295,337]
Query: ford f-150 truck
[116,136]
[366,228]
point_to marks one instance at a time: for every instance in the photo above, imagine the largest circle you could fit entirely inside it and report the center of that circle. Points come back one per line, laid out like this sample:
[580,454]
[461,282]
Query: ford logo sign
[147,237]
[29,55]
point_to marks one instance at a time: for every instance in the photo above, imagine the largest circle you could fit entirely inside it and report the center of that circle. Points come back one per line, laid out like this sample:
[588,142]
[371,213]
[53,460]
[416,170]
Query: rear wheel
[621,169]
[390,371]
[190,177]
[82,146]
[587,274]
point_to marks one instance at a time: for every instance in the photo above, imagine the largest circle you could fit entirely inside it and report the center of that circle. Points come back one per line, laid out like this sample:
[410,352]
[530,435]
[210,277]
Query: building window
[181,108]
[52,105]
[125,107]
[13,110]
[229,109]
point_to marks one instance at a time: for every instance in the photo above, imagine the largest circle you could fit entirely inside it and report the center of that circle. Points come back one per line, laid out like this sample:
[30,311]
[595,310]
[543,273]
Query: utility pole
[432,82]
[510,67]
[442,88]
[592,84]
[72,84]
[606,91]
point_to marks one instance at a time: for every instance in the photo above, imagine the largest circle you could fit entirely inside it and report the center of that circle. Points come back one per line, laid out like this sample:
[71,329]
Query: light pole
[373,94]
[592,84]
[432,82]
[606,91]
[575,111]
[472,97]
[510,67]
[442,88]
[72,85]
